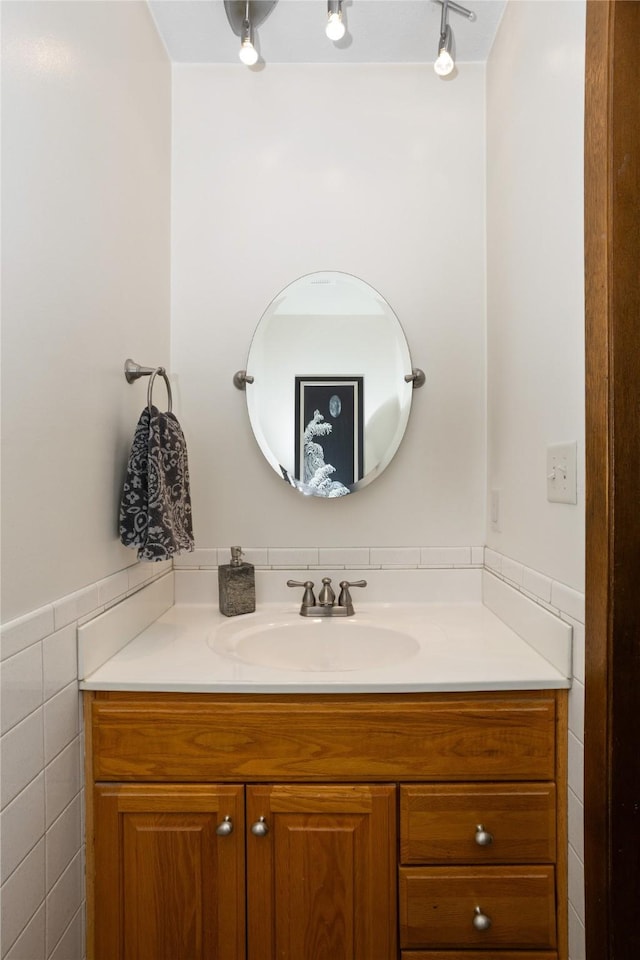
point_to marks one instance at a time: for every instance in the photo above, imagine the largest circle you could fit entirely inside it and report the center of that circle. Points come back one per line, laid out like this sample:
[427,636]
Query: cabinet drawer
[478,955]
[439,823]
[438,906]
[314,737]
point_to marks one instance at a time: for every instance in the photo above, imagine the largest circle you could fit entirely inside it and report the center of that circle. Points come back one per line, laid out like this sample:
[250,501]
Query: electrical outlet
[562,473]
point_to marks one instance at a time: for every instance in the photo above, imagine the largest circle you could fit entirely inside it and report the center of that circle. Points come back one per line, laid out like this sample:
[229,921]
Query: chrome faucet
[326,605]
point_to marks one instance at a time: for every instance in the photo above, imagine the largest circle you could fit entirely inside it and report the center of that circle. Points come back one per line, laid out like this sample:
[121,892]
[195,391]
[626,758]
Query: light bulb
[335,28]
[444,64]
[248,53]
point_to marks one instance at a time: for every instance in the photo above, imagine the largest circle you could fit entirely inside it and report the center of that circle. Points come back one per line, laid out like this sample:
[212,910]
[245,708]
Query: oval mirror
[329,384]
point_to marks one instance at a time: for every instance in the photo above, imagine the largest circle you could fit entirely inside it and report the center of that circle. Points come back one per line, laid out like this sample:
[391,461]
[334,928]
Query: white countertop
[461,646]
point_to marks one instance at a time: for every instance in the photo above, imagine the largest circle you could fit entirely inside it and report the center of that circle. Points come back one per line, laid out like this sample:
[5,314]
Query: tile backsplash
[360,558]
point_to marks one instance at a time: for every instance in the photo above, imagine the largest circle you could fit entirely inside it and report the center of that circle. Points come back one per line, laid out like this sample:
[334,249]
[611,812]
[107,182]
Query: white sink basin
[313,644]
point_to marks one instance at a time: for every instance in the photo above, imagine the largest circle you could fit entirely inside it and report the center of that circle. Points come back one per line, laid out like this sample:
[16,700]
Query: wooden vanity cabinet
[341,827]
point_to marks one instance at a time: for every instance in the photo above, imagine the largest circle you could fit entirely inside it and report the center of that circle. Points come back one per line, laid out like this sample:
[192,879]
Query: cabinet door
[168,886]
[321,882]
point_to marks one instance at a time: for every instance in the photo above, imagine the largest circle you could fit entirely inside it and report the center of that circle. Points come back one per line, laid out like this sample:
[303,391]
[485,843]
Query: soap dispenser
[236,585]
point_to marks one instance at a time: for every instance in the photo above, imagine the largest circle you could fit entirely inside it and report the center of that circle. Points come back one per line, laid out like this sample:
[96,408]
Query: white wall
[535,323]
[535,268]
[86,101]
[85,244]
[373,170]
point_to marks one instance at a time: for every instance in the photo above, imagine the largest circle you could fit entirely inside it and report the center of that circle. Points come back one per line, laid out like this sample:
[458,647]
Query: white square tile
[458,556]
[22,825]
[138,573]
[477,555]
[59,660]
[68,609]
[64,901]
[578,648]
[577,948]
[576,824]
[187,561]
[22,894]
[112,587]
[493,560]
[62,781]
[22,750]
[568,601]
[343,557]
[21,685]
[31,942]
[576,766]
[576,710]
[63,840]
[71,943]
[512,570]
[537,584]
[432,556]
[576,883]
[395,556]
[19,634]
[196,586]
[295,557]
[61,721]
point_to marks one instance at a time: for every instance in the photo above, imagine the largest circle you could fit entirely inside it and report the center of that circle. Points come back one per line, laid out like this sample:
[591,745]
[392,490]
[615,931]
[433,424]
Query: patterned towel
[155,511]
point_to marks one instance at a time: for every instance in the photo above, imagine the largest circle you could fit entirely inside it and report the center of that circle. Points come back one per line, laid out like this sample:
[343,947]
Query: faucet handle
[308,598]
[344,600]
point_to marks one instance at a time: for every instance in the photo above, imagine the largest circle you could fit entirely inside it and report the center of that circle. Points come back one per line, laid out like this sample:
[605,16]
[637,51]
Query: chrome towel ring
[133,371]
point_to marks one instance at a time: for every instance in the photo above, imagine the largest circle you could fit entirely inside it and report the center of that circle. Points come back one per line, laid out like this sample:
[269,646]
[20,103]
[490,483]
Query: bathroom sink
[313,644]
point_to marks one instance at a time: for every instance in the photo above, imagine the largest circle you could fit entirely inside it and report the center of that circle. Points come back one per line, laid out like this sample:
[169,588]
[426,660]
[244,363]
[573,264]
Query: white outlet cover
[562,472]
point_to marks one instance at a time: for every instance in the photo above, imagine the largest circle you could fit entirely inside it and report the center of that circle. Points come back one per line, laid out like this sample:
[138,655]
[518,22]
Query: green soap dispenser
[236,585]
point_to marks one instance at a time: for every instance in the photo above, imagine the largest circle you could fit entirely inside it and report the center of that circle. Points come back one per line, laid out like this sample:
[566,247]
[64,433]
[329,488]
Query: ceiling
[378,31]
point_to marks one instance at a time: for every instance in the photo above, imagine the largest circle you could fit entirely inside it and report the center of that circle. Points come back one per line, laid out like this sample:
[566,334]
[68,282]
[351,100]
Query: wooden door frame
[612,291]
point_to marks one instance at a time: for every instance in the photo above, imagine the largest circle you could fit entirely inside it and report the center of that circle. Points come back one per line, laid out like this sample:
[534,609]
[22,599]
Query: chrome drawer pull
[260,828]
[225,828]
[483,837]
[480,920]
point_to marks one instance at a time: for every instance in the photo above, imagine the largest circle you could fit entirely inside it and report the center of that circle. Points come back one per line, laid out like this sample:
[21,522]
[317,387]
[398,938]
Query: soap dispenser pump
[236,585]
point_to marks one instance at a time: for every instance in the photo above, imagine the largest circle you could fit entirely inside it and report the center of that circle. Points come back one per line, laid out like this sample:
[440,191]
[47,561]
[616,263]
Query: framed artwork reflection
[329,433]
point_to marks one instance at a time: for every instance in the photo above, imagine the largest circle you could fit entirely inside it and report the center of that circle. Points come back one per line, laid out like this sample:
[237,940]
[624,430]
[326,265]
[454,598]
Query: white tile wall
[41,815]
[568,604]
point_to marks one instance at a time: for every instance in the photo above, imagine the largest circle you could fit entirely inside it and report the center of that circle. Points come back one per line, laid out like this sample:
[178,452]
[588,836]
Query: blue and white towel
[155,510]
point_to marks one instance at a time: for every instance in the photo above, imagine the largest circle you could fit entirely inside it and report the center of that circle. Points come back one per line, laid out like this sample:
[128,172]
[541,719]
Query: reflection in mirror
[328,384]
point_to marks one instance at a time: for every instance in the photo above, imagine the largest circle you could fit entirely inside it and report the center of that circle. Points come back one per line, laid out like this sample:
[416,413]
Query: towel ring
[163,374]
[133,371]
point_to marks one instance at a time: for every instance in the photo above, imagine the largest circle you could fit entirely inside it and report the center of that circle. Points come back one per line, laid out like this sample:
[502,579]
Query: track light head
[247,53]
[444,63]
[335,28]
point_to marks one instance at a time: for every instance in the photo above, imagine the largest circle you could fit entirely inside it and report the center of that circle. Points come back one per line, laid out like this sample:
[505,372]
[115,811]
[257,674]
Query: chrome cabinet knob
[225,828]
[483,837]
[260,828]
[480,920]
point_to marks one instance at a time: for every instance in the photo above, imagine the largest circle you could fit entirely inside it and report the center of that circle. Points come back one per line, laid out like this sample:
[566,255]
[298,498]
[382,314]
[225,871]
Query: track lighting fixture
[444,62]
[335,28]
